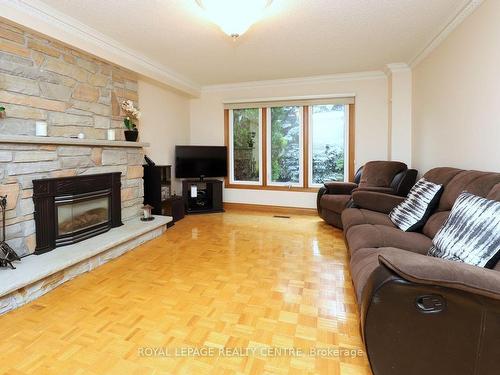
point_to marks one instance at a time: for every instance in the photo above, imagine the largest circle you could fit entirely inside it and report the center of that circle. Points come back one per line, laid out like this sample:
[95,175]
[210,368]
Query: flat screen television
[200,161]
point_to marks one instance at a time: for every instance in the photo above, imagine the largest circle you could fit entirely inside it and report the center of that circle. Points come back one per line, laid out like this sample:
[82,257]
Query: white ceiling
[295,38]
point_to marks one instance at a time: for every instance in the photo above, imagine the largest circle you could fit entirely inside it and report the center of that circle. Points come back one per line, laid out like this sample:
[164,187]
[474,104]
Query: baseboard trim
[269,208]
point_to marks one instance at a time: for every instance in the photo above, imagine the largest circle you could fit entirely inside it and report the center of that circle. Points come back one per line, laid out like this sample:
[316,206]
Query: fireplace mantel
[26,139]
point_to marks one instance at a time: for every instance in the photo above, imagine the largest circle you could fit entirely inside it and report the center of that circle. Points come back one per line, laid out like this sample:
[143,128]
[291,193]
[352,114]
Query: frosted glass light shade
[234,17]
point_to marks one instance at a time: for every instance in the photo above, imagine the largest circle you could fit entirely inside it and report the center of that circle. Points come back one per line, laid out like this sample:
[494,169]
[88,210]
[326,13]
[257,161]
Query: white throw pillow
[411,214]
[471,234]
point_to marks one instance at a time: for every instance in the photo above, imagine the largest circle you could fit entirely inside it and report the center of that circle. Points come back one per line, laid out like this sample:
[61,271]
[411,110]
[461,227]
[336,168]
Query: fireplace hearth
[72,209]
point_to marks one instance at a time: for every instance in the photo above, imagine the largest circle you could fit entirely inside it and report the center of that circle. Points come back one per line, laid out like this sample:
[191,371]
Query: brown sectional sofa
[423,315]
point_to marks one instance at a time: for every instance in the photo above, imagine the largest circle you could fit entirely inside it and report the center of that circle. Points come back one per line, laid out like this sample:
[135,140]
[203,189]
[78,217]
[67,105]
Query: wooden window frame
[230,174]
[302,148]
[348,128]
[305,153]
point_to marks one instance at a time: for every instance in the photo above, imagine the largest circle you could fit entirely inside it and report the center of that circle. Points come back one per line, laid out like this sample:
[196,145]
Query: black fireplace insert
[72,209]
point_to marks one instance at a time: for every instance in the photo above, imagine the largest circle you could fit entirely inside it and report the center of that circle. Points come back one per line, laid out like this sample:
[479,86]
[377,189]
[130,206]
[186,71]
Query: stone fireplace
[29,161]
[72,209]
[73,93]
[66,202]
[61,189]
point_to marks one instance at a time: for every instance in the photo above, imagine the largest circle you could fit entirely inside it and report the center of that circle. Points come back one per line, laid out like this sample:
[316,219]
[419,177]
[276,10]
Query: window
[328,143]
[245,146]
[284,146]
[290,145]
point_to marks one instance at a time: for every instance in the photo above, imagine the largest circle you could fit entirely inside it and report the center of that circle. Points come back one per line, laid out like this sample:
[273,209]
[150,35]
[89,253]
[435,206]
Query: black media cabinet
[208,197]
[157,187]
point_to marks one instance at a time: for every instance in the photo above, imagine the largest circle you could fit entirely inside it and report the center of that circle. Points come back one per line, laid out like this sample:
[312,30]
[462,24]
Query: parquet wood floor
[233,280]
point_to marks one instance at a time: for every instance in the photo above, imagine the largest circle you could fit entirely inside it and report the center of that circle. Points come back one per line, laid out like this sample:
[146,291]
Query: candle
[40,128]
[146,213]
[111,134]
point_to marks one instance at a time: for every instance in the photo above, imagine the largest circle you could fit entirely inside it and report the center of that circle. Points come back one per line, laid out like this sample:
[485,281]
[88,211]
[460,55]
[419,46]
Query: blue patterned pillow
[471,234]
[411,214]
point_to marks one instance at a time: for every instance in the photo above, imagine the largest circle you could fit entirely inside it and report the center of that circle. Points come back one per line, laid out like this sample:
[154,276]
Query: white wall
[164,122]
[457,97]
[371,138]
[400,115]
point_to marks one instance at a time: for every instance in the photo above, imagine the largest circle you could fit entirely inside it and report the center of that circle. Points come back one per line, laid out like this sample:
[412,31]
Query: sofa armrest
[340,188]
[403,186]
[376,189]
[416,311]
[375,201]
[422,269]
[322,191]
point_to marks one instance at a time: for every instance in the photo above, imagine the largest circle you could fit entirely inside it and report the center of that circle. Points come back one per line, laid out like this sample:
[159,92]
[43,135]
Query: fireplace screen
[72,209]
[79,215]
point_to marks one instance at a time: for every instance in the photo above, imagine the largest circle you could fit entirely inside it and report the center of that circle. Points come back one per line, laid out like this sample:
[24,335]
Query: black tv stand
[208,196]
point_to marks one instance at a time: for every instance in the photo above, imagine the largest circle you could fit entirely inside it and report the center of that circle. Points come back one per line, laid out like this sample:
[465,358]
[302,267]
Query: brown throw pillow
[380,173]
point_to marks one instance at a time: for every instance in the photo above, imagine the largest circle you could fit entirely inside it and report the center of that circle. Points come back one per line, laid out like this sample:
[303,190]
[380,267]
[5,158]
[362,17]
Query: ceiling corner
[446,30]
[43,19]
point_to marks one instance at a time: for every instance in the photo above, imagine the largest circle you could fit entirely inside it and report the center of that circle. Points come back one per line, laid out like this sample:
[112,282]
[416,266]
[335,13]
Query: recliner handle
[430,303]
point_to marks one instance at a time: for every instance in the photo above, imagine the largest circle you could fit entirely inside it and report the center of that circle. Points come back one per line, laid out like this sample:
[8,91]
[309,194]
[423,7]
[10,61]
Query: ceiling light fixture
[234,17]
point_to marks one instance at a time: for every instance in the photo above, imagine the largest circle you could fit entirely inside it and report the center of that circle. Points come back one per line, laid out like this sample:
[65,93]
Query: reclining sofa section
[419,314]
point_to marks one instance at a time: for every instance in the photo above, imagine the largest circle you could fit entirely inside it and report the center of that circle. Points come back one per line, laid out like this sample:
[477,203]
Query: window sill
[275,188]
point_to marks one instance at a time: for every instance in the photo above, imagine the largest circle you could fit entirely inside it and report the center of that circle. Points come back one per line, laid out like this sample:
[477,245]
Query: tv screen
[200,161]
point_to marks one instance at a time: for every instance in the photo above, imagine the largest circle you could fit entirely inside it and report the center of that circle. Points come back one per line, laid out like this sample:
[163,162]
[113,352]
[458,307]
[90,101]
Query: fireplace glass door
[82,213]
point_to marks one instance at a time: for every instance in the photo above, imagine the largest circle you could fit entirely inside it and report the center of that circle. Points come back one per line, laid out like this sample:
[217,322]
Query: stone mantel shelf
[25,139]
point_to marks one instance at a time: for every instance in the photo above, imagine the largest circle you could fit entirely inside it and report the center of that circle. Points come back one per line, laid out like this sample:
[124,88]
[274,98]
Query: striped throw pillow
[471,234]
[411,214]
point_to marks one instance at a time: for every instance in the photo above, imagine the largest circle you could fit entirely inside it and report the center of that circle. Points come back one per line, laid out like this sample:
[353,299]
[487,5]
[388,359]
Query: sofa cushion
[474,182]
[442,175]
[472,232]
[494,193]
[335,202]
[411,214]
[356,216]
[380,173]
[363,263]
[435,223]
[367,235]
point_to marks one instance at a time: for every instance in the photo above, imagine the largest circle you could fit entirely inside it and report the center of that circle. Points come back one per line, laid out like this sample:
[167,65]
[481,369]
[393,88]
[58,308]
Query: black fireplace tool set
[7,254]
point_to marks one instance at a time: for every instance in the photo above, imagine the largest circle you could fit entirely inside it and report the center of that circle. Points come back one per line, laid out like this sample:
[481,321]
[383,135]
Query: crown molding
[46,20]
[396,68]
[447,29]
[377,74]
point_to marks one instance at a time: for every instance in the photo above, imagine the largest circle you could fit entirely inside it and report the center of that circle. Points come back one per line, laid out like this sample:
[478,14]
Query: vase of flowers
[132,115]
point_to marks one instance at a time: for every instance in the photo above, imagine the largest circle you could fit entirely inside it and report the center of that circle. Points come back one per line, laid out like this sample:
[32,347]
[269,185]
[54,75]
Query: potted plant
[2,111]
[132,114]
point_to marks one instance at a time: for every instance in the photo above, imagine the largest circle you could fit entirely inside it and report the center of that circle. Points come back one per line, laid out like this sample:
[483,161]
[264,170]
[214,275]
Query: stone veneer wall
[20,164]
[42,79]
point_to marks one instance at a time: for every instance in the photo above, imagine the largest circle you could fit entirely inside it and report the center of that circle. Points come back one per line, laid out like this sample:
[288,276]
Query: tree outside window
[328,134]
[246,152]
[285,144]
